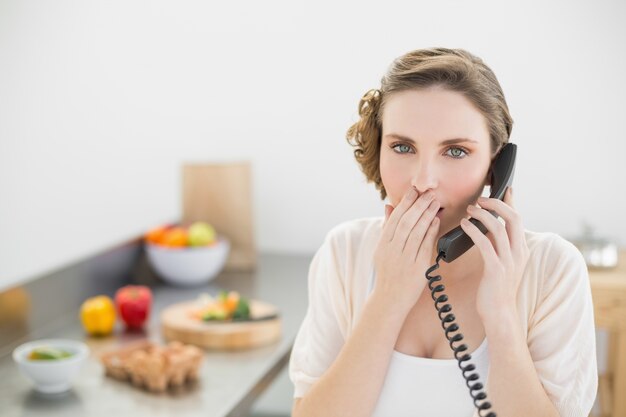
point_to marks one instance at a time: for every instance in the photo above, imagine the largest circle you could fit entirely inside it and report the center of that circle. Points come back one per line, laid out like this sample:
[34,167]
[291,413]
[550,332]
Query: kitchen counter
[229,381]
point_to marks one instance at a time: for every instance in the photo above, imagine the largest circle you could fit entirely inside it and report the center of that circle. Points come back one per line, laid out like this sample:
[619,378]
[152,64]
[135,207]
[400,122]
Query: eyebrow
[443,142]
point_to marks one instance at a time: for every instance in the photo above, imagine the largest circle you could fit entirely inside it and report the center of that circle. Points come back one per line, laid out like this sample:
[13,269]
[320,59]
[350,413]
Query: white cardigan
[554,303]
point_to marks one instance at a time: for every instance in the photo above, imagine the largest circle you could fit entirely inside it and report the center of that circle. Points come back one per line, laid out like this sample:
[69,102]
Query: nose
[425,177]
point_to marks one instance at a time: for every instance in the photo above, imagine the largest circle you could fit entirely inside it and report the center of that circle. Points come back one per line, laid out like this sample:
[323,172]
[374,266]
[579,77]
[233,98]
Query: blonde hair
[453,69]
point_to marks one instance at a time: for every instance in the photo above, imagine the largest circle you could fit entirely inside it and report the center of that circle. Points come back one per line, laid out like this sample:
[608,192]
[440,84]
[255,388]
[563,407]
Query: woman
[371,342]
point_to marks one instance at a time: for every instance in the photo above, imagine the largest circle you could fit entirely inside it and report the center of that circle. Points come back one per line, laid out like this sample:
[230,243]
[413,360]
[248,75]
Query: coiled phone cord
[447,322]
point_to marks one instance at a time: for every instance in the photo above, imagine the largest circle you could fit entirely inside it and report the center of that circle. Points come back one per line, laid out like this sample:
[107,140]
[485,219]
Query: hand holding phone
[456,242]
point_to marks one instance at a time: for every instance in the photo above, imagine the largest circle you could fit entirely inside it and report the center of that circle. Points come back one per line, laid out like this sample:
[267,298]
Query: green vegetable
[242,311]
[48,353]
[214,315]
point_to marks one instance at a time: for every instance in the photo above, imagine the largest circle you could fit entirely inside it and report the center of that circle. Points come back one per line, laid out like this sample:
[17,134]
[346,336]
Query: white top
[439,380]
[417,386]
[554,303]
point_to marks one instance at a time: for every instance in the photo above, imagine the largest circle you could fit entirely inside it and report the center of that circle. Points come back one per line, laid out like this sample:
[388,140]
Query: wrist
[497,309]
[394,306]
[502,324]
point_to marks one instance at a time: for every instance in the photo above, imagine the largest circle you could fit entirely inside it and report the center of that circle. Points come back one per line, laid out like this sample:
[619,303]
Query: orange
[156,235]
[175,237]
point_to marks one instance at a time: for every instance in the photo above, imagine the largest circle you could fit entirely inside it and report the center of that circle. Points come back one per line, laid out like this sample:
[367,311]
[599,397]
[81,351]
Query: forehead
[433,114]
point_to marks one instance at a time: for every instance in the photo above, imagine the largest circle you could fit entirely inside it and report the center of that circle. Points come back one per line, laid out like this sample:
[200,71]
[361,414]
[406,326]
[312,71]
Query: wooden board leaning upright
[221,194]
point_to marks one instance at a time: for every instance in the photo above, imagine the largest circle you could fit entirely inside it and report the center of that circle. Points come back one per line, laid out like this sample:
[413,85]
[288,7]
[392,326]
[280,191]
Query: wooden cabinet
[608,288]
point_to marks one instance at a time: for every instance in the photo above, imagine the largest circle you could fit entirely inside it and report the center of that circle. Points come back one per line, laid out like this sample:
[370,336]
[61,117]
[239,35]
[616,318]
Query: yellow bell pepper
[98,315]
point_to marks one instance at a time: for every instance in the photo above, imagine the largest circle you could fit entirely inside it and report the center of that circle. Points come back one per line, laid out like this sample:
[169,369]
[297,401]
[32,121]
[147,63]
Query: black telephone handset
[456,242]
[452,245]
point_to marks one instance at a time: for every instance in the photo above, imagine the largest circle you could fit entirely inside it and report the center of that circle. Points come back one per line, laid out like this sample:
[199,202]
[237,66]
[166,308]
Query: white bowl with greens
[51,363]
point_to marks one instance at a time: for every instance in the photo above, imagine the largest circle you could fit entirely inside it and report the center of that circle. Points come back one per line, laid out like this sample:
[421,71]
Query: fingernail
[412,193]
[482,199]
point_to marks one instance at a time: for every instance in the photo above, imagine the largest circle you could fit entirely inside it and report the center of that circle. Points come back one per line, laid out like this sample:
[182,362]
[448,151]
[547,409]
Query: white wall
[101,102]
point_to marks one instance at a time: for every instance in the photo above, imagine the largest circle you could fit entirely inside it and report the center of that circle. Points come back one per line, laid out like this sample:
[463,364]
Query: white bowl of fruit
[186,256]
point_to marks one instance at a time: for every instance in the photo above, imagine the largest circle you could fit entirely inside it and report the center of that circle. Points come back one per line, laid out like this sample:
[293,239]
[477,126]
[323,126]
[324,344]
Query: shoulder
[355,232]
[556,260]
[550,249]
[350,247]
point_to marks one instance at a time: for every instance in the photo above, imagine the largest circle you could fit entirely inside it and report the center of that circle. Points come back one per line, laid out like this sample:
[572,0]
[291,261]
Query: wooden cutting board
[178,324]
[221,194]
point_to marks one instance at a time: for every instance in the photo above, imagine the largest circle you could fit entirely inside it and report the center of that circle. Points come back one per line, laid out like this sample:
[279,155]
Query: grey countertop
[229,381]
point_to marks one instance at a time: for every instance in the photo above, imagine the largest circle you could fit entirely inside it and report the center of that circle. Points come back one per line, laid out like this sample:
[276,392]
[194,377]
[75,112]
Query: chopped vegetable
[215,314]
[242,312]
[48,353]
[225,307]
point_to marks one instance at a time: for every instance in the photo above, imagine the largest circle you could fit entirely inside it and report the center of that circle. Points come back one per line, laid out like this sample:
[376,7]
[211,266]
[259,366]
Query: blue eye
[404,148]
[456,153]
